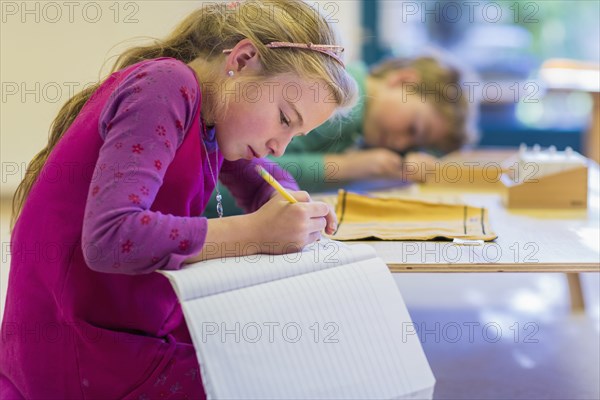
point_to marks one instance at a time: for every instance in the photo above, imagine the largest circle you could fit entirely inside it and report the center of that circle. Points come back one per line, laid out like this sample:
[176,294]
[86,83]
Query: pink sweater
[120,196]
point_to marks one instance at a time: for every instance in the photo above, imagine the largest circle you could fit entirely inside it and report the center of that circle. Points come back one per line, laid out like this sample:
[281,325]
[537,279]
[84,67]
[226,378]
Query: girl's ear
[243,57]
[403,75]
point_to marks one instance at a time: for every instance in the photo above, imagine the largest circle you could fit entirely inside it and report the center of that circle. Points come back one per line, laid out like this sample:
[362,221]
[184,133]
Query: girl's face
[400,121]
[263,117]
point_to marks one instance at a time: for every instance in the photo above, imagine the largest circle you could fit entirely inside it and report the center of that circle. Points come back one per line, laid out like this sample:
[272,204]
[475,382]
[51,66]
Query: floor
[488,336]
[506,336]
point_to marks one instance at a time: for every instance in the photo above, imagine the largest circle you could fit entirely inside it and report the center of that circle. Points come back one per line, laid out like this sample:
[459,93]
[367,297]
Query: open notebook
[324,323]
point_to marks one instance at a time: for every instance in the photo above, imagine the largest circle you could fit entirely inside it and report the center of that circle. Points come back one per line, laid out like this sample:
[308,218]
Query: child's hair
[208,31]
[440,85]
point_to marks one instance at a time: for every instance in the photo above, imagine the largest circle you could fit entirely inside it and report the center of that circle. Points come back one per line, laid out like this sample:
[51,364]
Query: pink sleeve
[142,124]
[248,188]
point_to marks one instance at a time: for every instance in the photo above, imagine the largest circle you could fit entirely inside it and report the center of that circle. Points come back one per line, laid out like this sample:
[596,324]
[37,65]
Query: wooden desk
[529,240]
[563,362]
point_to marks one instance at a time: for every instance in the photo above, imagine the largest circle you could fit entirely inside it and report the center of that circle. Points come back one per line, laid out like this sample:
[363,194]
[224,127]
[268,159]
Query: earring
[230,73]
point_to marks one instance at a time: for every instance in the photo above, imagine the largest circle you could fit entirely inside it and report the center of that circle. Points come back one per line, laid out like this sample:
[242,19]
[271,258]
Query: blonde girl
[140,154]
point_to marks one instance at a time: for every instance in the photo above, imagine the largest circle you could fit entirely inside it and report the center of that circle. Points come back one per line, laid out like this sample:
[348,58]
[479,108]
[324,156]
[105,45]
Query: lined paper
[219,275]
[352,342]
[303,329]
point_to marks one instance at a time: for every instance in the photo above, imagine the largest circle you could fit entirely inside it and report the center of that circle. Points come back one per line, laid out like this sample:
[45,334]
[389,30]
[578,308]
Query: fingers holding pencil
[288,226]
[291,226]
[323,212]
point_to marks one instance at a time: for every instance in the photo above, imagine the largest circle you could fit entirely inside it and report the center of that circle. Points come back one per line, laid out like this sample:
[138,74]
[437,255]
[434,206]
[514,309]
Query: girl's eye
[283,119]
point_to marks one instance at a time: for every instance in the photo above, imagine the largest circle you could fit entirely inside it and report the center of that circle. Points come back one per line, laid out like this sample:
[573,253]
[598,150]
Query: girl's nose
[279,150]
[277,147]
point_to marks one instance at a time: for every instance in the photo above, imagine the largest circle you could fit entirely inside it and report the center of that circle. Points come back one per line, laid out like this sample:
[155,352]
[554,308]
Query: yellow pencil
[276,185]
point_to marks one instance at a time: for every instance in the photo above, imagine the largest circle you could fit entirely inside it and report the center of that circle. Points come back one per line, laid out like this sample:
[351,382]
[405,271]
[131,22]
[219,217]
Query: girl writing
[408,113]
[139,155]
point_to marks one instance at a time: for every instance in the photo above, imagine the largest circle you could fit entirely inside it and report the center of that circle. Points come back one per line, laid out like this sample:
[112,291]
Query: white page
[366,355]
[220,275]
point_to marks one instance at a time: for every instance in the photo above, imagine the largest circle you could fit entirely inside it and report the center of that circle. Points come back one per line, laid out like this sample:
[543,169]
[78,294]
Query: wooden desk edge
[499,267]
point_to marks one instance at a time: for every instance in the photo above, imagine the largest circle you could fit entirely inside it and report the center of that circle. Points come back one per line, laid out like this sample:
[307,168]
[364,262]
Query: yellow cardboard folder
[362,217]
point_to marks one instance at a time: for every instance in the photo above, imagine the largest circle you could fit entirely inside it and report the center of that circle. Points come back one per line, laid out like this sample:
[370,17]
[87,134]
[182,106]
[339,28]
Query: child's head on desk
[417,104]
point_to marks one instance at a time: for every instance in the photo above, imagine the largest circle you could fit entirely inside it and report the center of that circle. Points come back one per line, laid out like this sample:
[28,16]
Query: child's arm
[365,164]
[278,227]
[273,225]
[249,190]
[382,163]
[142,125]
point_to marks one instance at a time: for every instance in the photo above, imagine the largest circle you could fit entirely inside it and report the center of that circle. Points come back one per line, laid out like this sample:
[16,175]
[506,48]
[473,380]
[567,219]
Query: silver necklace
[214,177]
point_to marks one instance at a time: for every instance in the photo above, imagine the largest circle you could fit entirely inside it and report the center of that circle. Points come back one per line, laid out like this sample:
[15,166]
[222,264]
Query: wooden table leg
[576,294]
[592,137]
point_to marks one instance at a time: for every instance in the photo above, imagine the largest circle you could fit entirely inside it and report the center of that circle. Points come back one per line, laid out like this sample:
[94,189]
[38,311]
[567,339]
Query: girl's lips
[253,152]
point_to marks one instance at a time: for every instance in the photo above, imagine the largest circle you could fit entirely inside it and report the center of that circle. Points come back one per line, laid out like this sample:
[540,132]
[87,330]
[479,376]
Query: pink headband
[330,50]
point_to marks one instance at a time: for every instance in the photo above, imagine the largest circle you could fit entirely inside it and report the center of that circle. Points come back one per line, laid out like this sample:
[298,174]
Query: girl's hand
[283,227]
[278,227]
[330,218]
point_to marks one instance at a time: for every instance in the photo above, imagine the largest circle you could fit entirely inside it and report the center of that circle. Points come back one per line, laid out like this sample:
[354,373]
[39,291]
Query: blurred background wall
[50,50]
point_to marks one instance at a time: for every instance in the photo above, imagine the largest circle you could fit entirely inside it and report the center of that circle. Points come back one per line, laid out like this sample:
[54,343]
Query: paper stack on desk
[364,217]
[327,322]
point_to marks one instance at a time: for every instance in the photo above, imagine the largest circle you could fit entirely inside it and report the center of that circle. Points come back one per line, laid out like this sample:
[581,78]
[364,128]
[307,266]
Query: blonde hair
[436,80]
[205,33]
